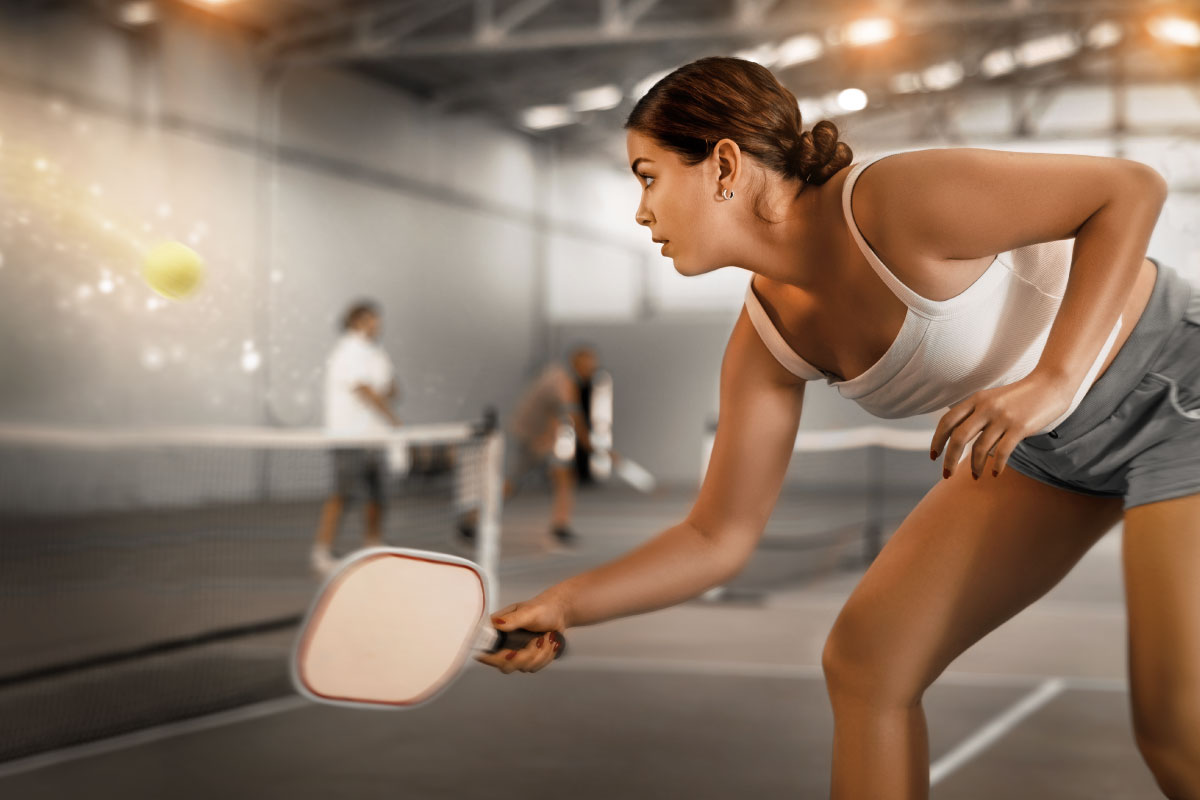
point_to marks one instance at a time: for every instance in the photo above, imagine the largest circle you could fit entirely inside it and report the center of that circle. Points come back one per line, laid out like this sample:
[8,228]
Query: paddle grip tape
[516,640]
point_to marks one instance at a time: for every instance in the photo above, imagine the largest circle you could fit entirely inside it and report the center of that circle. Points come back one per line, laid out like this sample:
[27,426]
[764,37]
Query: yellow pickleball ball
[173,269]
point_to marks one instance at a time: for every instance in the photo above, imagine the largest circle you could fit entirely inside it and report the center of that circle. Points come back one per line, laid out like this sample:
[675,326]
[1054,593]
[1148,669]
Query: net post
[491,501]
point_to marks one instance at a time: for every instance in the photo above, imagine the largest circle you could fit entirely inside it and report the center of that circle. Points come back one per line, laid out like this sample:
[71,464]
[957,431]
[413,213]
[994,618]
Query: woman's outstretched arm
[759,414]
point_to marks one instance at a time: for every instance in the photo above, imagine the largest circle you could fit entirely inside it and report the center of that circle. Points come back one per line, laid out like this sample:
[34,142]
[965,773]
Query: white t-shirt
[355,361]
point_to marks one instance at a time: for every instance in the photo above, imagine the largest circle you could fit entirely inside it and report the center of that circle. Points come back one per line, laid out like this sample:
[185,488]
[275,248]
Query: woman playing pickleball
[1011,292]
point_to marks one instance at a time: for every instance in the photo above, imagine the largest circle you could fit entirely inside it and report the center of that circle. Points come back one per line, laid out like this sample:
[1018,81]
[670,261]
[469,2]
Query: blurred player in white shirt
[359,387]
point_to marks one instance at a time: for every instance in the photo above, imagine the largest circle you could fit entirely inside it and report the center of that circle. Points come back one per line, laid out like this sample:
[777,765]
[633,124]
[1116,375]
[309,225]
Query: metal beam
[318,26]
[618,16]
[748,18]
[636,9]
[423,16]
[752,13]
[386,20]
[510,20]
[490,27]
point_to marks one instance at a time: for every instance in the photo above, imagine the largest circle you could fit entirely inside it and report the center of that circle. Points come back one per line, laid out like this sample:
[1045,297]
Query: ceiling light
[850,100]
[138,12]
[1045,49]
[209,3]
[869,30]
[600,98]
[942,76]
[1175,30]
[540,118]
[1104,34]
[998,62]
[798,50]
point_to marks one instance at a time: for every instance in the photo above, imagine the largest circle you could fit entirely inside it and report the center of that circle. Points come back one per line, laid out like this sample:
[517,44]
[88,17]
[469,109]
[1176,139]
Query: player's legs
[321,558]
[371,475]
[322,551]
[530,454]
[562,476]
[331,515]
[374,520]
[1162,591]
[351,473]
[969,556]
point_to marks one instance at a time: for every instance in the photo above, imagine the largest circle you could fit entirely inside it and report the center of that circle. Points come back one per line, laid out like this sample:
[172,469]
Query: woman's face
[681,205]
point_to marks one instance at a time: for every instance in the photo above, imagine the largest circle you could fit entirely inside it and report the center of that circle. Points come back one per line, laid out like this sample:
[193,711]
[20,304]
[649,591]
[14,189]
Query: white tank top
[992,334]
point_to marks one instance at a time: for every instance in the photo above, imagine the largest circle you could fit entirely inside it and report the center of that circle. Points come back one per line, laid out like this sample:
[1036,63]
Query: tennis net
[156,574]
[845,492]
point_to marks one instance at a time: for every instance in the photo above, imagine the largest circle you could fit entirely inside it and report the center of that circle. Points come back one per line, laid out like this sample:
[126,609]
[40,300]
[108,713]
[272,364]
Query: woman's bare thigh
[1162,587]
[968,557]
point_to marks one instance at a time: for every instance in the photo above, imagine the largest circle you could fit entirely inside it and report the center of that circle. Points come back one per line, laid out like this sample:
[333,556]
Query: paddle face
[391,628]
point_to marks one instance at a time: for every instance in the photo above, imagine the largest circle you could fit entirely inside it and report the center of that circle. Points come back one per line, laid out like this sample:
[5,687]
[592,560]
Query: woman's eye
[646,179]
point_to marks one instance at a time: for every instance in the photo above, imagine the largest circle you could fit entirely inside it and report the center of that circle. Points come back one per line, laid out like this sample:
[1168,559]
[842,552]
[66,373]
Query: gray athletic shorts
[359,474]
[1136,433]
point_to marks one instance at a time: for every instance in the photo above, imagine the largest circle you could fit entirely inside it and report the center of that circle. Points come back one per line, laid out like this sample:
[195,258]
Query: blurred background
[462,162]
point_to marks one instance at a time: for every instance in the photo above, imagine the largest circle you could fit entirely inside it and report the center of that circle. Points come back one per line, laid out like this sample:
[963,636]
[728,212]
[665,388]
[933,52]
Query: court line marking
[580,663]
[149,735]
[751,669]
[1099,609]
[995,730]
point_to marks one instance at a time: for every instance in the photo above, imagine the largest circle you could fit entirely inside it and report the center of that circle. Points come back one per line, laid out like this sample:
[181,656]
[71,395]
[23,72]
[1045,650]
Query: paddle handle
[515,640]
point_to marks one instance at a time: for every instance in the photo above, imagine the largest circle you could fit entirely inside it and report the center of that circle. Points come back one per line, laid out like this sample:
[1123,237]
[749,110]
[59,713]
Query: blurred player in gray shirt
[546,420]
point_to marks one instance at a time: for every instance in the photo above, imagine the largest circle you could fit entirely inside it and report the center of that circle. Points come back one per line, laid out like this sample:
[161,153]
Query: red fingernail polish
[995,474]
[539,641]
[974,475]
[945,473]
[510,655]
[557,646]
[498,621]
[933,453]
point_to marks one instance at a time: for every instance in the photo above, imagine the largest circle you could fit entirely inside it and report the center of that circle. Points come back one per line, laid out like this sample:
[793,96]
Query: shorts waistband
[1165,308]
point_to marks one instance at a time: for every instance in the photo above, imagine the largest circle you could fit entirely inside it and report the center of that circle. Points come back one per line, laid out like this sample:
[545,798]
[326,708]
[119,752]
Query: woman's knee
[1166,737]
[861,666]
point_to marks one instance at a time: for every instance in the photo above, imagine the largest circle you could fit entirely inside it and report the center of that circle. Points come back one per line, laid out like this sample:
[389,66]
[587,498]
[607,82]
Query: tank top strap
[907,295]
[989,281]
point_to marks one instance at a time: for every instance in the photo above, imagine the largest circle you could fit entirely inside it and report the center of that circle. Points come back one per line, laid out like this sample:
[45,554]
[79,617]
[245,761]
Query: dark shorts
[527,458]
[1136,433]
[358,474]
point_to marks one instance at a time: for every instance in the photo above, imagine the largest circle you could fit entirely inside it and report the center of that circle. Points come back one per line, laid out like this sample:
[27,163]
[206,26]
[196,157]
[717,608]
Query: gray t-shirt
[545,401]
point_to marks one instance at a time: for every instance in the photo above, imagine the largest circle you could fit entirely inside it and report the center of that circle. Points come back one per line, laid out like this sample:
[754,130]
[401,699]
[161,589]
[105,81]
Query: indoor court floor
[718,698]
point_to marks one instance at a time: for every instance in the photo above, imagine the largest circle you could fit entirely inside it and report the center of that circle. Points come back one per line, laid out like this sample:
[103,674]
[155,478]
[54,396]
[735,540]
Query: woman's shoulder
[871,193]
[965,203]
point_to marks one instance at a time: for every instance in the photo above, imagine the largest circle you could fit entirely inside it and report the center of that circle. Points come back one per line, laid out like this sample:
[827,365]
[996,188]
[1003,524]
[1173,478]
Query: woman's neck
[805,247]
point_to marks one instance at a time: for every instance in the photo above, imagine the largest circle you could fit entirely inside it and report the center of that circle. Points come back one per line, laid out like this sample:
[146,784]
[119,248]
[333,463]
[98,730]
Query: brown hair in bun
[715,98]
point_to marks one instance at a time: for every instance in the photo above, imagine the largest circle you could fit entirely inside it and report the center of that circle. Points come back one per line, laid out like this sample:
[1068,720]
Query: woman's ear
[728,158]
